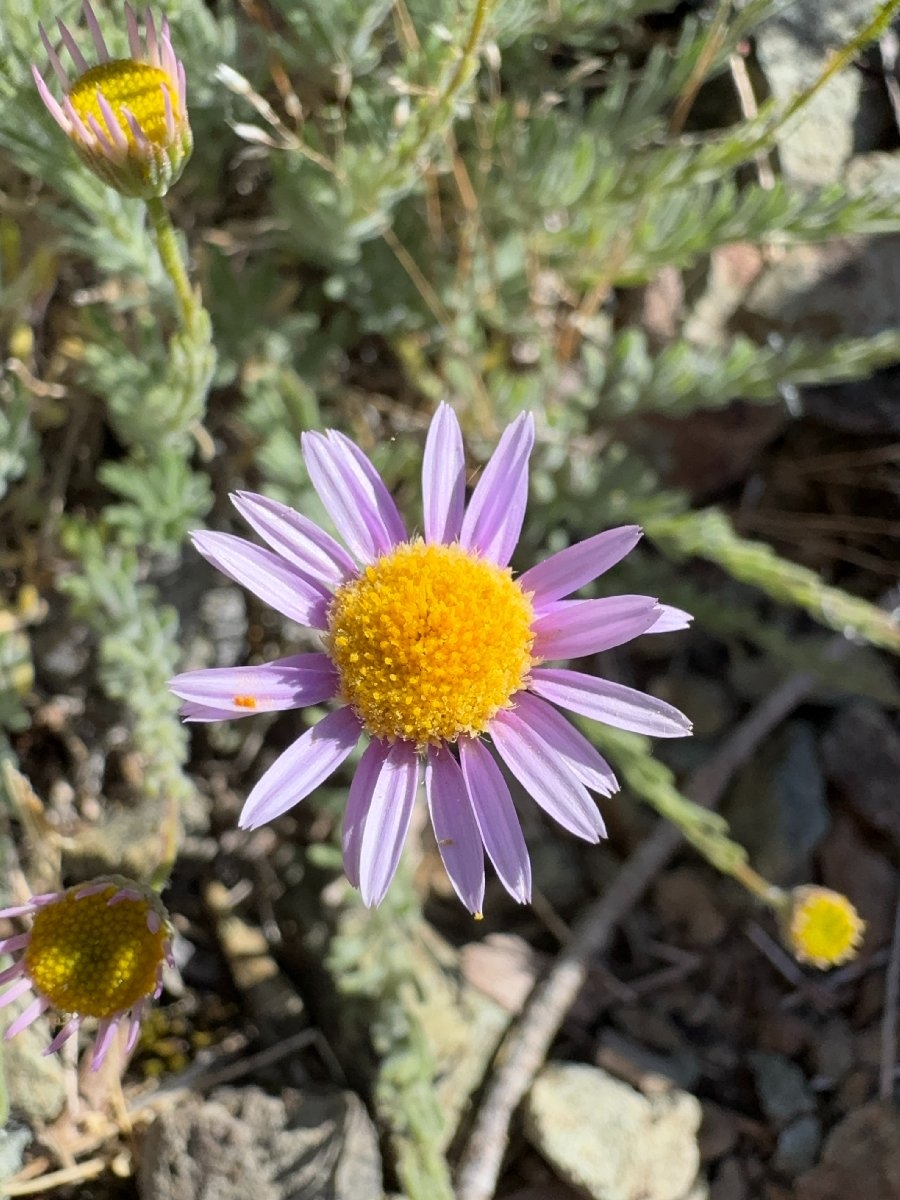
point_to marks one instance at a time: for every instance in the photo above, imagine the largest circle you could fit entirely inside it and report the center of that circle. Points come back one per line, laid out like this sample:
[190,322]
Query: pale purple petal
[96,35]
[17,990]
[197,713]
[50,102]
[496,816]
[568,743]
[568,570]
[18,941]
[390,810]
[493,519]
[365,778]
[71,1026]
[302,767]
[311,550]
[572,628]
[106,1031]
[134,1025]
[670,620]
[443,478]
[12,972]
[612,703]
[34,1010]
[269,577]
[354,495]
[546,776]
[292,682]
[455,827]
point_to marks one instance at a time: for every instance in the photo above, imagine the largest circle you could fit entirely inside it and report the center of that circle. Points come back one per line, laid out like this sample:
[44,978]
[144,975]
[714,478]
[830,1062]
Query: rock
[862,756]
[607,1139]
[792,49]
[861,1158]
[783,1090]
[240,1143]
[779,810]
[798,1146]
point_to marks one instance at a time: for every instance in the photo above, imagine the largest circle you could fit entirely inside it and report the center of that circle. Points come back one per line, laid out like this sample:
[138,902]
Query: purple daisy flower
[430,648]
[127,118]
[95,951]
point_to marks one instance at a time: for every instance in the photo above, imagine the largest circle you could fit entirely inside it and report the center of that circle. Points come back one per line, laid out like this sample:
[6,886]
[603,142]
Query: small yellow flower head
[821,927]
[126,117]
[95,950]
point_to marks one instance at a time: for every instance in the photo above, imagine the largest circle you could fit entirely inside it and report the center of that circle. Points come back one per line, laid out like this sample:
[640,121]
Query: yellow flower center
[93,958]
[430,643]
[137,86]
[824,928]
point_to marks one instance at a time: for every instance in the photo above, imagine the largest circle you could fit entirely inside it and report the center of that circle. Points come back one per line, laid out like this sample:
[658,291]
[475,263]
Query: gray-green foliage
[390,204]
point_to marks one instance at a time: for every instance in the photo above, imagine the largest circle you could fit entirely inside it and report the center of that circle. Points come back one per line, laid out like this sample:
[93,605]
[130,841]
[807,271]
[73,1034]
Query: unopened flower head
[435,652]
[126,117]
[95,950]
[821,927]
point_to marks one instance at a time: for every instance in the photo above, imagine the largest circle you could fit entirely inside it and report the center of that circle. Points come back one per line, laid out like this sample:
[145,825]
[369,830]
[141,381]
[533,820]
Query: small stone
[244,1143]
[798,1146]
[783,1090]
[861,751]
[861,1158]
[602,1136]
[730,1182]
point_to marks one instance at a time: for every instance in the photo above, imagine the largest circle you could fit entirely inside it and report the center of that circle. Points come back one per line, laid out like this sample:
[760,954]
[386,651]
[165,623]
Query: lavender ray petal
[50,102]
[496,817]
[365,779]
[18,941]
[269,577]
[34,1010]
[455,827]
[572,628]
[568,570]
[612,703]
[71,1026]
[670,620]
[12,972]
[297,539]
[202,713]
[292,682]
[302,767]
[443,478]
[390,810]
[581,757]
[353,494]
[18,989]
[546,776]
[96,35]
[493,520]
[106,1031]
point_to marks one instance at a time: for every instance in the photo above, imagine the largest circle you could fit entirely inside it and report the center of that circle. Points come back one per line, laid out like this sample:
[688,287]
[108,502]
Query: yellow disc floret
[430,643]
[138,87]
[94,958]
[822,927]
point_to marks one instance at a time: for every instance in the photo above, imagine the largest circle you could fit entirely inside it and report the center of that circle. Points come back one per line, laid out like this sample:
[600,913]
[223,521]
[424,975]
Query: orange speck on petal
[245,701]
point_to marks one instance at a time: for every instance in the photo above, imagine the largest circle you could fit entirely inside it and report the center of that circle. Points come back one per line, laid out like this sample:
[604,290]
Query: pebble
[607,1139]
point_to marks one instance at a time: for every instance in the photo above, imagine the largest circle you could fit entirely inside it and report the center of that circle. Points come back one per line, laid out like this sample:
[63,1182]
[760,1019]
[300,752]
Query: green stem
[173,264]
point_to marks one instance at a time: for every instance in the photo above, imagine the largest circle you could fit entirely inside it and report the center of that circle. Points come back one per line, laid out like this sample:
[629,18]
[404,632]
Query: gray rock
[798,1146]
[783,1090]
[602,1136]
[240,1143]
[793,48]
